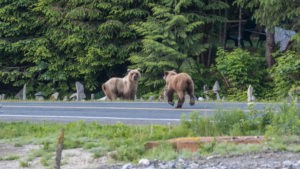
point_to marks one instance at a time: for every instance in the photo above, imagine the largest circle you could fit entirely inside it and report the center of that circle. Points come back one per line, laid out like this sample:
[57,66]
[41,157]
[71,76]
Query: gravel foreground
[81,159]
[262,160]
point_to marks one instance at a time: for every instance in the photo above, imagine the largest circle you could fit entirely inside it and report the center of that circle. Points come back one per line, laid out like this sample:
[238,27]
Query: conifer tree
[173,37]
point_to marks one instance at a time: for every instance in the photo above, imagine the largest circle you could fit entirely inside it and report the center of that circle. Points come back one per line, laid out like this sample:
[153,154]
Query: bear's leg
[111,94]
[132,96]
[180,99]
[190,91]
[192,100]
[170,97]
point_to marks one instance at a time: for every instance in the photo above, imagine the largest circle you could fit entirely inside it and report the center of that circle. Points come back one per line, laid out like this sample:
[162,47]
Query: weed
[9,158]
[164,151]
[24,164]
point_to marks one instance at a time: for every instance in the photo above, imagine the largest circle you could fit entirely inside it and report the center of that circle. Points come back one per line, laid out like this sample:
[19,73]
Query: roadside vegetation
[49,45]
[126,142]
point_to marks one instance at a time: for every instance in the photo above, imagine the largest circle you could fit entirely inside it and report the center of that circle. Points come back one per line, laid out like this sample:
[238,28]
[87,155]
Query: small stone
[151,98]
[287,163]
[127,166]
[201,99]
[65,98]
[144,162]
[103,98]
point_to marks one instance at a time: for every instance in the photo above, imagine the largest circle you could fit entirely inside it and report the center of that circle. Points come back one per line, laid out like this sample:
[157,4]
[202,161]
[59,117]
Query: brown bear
[179,83]
[124,88]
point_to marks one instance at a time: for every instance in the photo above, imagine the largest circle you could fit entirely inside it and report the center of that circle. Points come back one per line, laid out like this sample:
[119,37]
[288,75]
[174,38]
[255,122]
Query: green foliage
[239,69]
[50,45]
[285,73]
[173,38]
[272,13]
[208,148]
[156,153]
[24,164]
[286,121]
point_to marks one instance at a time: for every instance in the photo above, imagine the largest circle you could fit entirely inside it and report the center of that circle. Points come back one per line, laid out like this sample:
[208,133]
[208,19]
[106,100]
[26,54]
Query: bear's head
[134,74]
[168,74]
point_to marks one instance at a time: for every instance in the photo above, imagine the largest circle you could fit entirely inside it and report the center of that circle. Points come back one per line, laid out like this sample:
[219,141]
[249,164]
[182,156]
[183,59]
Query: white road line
[87,117]
[115,108]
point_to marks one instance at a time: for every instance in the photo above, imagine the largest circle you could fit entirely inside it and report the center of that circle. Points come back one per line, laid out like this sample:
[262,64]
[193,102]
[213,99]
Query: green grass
[127,141]
[10,157]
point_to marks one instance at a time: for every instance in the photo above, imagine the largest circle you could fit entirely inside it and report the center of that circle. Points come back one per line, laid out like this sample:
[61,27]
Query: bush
[238,69]
[286,121]
[285,73]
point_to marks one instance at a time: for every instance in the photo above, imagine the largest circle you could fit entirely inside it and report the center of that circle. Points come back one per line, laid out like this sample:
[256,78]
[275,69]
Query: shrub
[238,69]
[285,73]
[286,121]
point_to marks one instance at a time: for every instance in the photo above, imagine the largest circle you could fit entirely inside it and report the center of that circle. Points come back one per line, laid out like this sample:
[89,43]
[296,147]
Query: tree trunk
[270,44]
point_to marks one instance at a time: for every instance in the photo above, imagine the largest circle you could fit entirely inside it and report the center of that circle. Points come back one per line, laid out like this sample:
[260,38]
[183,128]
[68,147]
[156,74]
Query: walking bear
[179,83]
[124,88]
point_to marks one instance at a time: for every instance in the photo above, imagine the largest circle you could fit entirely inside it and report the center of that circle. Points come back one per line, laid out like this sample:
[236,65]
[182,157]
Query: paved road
[112,112]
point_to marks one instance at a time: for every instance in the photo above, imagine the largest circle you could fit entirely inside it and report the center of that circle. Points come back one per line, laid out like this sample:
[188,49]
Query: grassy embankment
[127,141]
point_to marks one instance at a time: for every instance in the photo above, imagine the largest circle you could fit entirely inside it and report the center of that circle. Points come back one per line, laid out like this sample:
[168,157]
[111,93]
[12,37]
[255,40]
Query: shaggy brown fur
[124,88]
[179,83]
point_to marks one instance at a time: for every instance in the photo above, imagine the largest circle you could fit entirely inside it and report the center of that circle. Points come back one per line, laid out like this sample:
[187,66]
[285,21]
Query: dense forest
[50,44]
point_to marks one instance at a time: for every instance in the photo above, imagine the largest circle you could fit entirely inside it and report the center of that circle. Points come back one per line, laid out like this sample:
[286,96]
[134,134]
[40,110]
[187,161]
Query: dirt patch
[194,143]
[72,158]
[8,151]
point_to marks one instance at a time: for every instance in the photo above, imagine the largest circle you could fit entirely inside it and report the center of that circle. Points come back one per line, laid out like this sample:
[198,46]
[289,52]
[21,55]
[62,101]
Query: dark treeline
[51,44]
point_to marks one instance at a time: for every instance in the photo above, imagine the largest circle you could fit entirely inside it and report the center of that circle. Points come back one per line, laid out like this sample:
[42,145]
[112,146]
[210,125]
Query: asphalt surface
[113,112]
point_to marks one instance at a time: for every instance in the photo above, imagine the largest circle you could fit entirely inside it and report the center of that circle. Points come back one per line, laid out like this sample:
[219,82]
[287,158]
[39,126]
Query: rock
[103,98]
[127,166]
[73,96]
[201,99]
[288,164]
[22,93]
[250,94]
[39,96]
[151,98]
[54,96]
[80,91]
[205,89]
[2,96]
[216,87]
[144,162]
[65,98]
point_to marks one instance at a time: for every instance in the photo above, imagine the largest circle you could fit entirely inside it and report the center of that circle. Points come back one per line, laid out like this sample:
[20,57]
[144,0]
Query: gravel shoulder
[81,159]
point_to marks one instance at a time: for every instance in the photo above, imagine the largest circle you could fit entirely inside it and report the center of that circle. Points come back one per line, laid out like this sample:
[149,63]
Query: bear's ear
[174,70]
[128,70]
[165,74]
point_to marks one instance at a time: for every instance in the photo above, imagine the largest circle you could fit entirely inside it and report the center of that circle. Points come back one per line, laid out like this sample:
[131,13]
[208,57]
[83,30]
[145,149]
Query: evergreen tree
[174,36]
[19,27]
